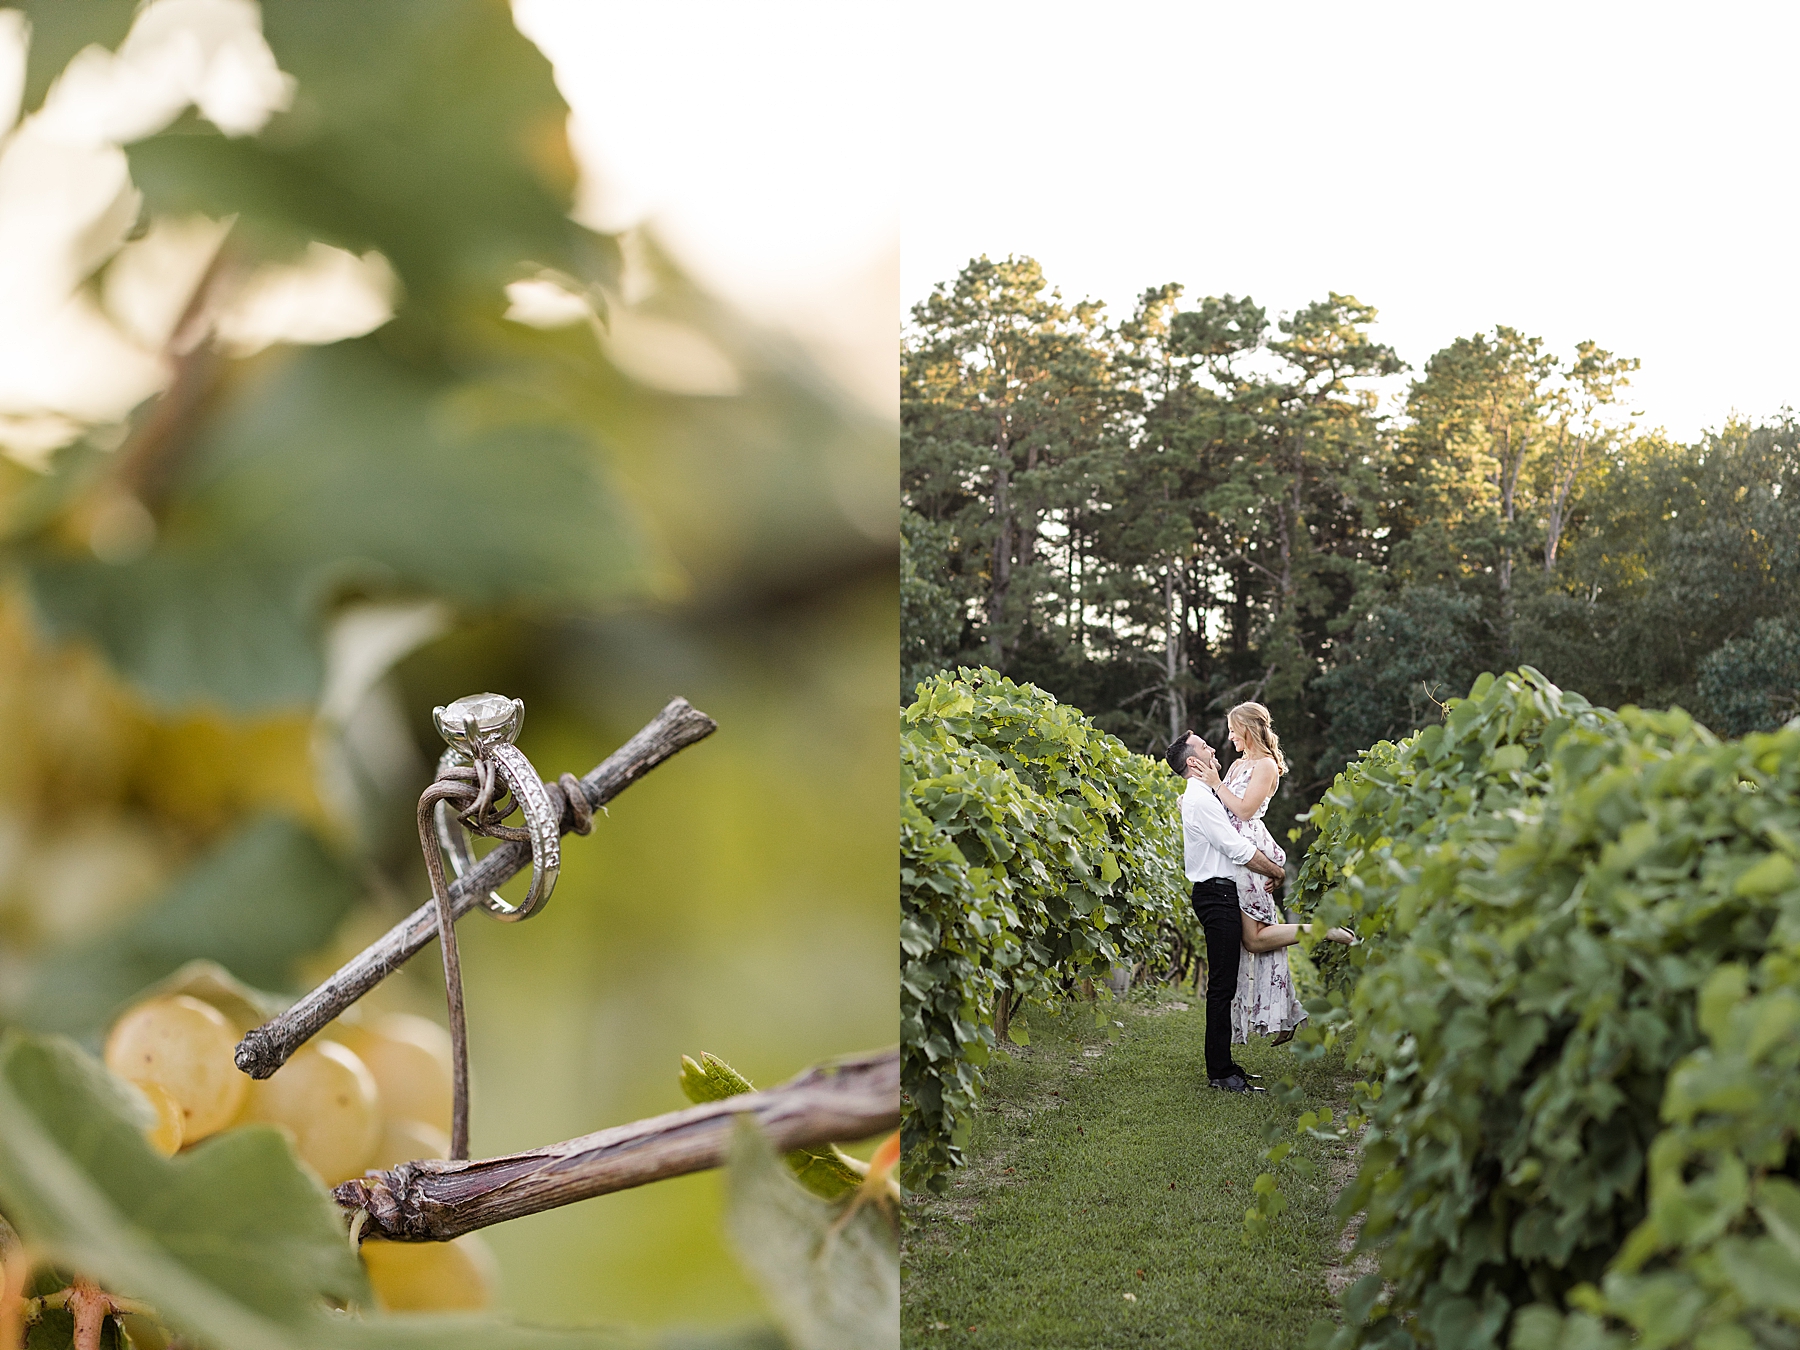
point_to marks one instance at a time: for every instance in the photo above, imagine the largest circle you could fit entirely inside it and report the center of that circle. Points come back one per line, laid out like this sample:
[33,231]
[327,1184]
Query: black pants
[1216,906]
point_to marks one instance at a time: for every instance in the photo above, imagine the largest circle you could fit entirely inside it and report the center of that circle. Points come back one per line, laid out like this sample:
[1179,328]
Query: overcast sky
[1618,172]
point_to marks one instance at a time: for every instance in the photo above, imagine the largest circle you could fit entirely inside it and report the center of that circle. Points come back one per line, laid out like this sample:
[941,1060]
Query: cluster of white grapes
[356,1097]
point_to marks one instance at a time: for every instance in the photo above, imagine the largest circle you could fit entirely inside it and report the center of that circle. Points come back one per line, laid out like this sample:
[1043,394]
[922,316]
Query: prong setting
[479,721]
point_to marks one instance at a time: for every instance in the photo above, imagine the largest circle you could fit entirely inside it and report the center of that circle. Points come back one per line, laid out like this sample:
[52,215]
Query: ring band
[491,736]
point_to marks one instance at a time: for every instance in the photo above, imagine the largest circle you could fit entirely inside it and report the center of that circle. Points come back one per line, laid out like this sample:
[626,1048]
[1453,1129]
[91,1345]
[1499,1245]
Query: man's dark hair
[1178,753]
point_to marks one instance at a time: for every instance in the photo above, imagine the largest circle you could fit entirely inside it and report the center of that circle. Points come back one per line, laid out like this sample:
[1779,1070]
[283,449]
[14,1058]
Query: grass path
[1104,1201]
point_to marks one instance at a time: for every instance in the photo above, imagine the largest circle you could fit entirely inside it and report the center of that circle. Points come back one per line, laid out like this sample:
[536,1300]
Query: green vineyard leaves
[831,1275]
[239,1244]
[1576,1010]
[1035,849]
[1449,792]
[827,1172]
[1719,1250]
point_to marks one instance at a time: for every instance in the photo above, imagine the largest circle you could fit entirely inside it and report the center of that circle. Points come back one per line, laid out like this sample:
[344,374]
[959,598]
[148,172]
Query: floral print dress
[1265,1002]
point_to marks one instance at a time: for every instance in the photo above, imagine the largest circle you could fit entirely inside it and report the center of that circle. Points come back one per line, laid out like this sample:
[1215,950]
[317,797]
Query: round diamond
[480,717]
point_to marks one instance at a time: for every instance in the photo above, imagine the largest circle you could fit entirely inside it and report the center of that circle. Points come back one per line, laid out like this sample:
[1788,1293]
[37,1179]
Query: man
[1210,850]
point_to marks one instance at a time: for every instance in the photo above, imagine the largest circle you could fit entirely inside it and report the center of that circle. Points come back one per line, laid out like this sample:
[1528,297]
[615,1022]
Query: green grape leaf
[337,470]
[831,1278]
[1778,1203]
[1765,1274]
[434,134]
[263,899]
[184,625]
[828,1171]
[711,1079]
[231,1240]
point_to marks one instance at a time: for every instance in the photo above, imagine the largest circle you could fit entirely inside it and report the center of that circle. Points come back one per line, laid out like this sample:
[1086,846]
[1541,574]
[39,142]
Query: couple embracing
[1235,864]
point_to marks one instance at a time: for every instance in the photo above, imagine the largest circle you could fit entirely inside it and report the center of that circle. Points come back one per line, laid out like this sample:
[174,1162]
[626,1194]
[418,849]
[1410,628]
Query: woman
[1265,1003]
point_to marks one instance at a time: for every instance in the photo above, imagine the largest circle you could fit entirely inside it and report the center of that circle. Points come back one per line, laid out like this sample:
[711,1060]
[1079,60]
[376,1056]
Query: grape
[165,1134]
[404,1140]
[410,1058]
[326,1099]
[430,1276]
[183,1046]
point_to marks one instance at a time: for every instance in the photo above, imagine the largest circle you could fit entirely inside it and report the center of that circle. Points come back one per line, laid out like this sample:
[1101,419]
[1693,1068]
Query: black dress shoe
[1234,1083]
[1245,1074]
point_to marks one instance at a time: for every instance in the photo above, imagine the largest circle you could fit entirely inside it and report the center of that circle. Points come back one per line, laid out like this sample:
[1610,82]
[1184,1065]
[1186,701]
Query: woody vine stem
[266,1048]
[433,1200]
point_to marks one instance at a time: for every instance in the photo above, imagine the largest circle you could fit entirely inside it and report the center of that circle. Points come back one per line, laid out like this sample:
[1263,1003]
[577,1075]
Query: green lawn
[1104,1202]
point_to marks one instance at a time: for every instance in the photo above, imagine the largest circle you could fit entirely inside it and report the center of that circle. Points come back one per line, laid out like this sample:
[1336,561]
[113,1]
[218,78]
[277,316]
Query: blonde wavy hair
[1251,721]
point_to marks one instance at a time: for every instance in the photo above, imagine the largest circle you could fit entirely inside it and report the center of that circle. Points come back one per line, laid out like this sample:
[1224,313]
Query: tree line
[1157,518]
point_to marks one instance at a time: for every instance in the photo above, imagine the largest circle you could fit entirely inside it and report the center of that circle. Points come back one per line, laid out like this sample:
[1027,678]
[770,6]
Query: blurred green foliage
[1752,683]
[208,763]
[407,462]
[301,893]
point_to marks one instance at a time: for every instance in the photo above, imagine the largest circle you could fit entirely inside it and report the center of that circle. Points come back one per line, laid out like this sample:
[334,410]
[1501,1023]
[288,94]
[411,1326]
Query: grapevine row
[1035,851]
[1576,1019]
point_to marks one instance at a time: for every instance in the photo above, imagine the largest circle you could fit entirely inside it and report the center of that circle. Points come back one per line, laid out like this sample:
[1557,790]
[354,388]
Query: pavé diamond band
[483,727]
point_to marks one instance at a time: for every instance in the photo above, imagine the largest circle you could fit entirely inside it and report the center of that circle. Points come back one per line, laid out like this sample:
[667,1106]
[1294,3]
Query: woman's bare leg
[1269,937]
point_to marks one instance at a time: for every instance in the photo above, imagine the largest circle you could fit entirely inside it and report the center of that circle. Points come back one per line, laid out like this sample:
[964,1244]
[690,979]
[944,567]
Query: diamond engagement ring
[480,731]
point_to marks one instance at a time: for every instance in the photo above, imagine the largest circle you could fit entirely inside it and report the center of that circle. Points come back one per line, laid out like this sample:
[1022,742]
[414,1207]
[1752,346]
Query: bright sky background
[1624,172]
[759,142]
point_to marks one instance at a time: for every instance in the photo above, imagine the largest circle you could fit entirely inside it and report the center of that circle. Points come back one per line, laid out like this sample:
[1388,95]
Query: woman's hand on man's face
[1204,765]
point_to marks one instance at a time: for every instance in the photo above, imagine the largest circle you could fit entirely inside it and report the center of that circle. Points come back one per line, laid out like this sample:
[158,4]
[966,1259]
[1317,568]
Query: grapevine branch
[266,1048]
[432,1200]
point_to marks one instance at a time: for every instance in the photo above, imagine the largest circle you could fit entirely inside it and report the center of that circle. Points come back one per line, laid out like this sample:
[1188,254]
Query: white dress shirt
[1210,847]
